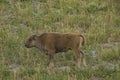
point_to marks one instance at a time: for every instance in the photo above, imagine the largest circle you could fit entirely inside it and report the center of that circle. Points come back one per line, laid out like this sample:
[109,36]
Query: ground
[97,20]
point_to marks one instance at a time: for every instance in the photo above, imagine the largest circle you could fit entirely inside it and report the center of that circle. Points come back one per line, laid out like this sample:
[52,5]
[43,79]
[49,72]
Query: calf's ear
[34,37]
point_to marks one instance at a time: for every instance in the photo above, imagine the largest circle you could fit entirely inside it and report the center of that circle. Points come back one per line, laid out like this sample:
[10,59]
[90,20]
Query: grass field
[97,20]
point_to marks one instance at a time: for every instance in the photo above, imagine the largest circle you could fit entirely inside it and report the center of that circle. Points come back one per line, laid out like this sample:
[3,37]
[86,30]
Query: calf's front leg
[50,60]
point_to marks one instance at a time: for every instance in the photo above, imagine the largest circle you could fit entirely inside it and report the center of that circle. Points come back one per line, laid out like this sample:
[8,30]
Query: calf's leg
[83,62]
[80,58]
[50,60]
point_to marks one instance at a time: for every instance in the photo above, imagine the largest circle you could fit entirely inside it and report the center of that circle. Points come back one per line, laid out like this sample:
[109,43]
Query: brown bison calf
[56,42]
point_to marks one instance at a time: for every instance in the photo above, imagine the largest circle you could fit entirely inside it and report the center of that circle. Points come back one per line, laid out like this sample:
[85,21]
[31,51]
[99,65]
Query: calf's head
[31,41]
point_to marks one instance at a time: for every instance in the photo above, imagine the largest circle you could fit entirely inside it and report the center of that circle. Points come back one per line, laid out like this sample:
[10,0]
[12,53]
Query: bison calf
[57,42]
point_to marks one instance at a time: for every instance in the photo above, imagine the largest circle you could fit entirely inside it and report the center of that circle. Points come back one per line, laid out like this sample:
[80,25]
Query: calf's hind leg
[80,58]
[83,62]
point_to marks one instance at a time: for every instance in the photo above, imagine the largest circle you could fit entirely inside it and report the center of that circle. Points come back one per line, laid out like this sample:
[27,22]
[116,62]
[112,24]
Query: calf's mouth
[27,46]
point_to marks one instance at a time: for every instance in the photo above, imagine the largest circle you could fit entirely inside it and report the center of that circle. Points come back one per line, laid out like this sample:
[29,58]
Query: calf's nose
[25,45]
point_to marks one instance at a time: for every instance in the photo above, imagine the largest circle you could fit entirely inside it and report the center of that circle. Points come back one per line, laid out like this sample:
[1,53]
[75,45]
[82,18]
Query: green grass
[97,20]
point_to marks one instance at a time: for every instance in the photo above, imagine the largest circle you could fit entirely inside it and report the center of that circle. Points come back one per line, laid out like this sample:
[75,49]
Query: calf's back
[60,42]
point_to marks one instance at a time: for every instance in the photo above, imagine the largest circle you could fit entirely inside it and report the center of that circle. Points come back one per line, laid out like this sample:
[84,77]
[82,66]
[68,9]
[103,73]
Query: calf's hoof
[50,66]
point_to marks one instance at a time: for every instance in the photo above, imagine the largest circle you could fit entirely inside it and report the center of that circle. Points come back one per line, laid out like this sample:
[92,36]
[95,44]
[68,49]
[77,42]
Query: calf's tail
[83,40]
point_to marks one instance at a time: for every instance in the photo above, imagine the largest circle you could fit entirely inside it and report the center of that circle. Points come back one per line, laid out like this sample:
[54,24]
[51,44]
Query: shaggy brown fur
[57,42]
